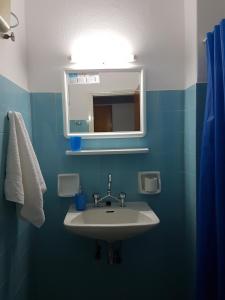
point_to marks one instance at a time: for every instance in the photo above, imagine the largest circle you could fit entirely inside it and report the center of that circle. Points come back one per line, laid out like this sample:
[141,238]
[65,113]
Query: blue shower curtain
[211,200]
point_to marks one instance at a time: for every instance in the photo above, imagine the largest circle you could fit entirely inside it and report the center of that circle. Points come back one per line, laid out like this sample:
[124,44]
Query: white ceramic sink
[111,223]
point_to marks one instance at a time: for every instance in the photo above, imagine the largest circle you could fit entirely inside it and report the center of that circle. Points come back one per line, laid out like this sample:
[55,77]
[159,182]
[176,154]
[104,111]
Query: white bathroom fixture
[4,26]
[111,223]
[68,184]
[5,22]
[149,182]
[101,47]
[104,59]
[5,16]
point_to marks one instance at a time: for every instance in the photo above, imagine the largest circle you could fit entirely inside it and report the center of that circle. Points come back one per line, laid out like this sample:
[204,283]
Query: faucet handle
[122,197]
[110,177]
[96,197]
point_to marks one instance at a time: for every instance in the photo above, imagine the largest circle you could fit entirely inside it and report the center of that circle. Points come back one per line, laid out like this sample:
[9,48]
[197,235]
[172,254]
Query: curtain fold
[211,200]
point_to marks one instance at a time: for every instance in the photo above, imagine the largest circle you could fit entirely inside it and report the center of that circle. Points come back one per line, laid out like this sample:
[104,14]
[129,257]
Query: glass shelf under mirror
[109,151]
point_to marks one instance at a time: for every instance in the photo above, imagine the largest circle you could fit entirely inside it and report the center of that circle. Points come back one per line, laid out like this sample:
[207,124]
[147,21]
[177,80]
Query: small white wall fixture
[149,182]
[4,16]
[5,25]
[68,184]
[103,47]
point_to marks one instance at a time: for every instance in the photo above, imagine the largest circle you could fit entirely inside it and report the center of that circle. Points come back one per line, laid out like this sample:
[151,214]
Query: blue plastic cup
[80,201]
[75,143]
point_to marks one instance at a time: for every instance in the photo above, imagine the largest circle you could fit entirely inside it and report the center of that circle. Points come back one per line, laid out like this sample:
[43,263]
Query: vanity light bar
[128,58]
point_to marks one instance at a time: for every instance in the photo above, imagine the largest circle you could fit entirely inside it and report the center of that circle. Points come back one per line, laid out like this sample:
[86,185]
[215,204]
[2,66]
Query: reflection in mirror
[117,112]
[103,101]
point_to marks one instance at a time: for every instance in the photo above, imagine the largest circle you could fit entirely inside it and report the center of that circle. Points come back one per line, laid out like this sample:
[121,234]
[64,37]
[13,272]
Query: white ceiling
[154,28]
[165,35]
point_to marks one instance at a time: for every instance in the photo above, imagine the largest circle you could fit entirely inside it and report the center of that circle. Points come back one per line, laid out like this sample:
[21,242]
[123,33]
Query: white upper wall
[190,9]
[210,12]
[165,35]
[155,29]
[13,61]
[200,17]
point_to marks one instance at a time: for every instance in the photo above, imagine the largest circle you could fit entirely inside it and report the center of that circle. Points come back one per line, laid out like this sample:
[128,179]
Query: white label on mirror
[75,78]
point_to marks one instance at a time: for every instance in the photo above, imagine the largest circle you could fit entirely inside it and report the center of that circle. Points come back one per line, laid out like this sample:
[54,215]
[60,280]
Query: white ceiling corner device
[4,26]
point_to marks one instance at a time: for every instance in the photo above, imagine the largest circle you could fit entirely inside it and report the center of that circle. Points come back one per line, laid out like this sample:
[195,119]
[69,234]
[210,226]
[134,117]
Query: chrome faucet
[121,198]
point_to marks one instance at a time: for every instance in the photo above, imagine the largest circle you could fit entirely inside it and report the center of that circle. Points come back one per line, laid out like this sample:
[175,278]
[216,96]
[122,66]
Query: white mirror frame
[120,134]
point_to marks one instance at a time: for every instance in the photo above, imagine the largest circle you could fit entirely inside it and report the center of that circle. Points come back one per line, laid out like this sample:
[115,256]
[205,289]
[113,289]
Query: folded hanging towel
[24,183]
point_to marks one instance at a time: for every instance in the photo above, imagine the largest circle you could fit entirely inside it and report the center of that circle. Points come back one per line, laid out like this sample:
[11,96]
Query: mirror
[104,103]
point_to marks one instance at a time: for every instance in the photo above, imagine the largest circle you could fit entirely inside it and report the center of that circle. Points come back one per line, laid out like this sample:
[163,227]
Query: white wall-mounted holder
[68,184]
[149,182]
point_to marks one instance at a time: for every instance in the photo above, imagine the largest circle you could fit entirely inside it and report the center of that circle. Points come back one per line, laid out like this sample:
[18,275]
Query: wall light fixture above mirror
[101,48]
[104,103]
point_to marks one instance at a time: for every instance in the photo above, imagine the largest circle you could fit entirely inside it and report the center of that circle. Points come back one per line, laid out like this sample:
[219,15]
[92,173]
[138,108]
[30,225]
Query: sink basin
[111,223]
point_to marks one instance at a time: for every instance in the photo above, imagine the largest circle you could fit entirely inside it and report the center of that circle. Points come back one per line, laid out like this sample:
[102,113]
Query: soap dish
[68,184]
[149,182]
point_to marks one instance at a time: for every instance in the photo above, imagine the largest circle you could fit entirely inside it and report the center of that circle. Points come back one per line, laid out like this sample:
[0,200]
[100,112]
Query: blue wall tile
[193,121]
[200,108]
[15,234]
[190,184]
[173,134]
[153,262]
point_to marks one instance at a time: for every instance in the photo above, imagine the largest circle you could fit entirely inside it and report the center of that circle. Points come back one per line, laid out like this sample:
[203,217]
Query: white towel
[24,183]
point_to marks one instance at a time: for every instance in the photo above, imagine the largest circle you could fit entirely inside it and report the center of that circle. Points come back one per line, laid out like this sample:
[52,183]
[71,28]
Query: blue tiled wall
[190,184]
[200,110]
[160,262]
[153,264]
[193,120]
[15,235]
